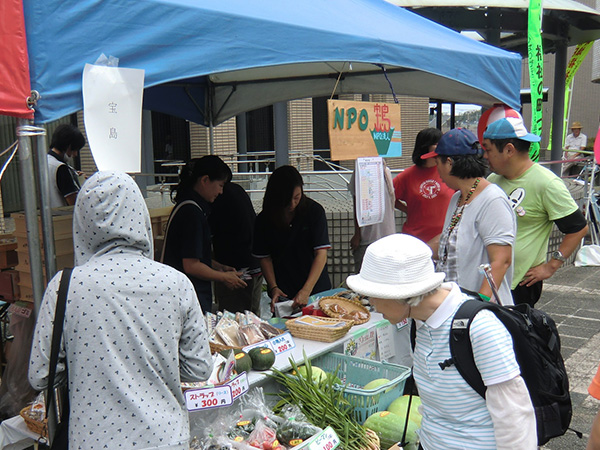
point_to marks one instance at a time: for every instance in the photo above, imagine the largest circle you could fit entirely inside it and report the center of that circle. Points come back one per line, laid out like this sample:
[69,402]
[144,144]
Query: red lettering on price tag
[210,397]
[282,343]
[239,385]
[326,440]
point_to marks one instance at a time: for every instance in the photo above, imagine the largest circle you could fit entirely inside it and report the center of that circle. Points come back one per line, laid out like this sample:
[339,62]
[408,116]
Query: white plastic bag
[588,255]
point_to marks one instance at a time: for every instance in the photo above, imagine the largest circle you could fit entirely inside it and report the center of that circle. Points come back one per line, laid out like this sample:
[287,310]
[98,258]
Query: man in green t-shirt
[539,199]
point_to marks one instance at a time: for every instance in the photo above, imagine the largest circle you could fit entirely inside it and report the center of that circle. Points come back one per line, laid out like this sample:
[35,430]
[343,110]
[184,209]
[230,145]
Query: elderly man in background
[574,143]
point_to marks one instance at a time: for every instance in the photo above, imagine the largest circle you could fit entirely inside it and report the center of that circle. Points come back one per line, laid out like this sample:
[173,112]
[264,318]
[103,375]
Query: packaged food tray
[357,372]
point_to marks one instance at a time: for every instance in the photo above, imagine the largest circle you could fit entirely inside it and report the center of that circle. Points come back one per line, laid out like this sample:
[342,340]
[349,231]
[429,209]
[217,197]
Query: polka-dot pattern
[133,328]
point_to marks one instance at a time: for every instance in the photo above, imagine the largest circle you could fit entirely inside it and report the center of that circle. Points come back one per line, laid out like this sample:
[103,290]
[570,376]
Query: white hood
[110,214]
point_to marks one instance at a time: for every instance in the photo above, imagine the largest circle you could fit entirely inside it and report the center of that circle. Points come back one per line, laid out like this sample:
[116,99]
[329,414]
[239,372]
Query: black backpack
[537,349]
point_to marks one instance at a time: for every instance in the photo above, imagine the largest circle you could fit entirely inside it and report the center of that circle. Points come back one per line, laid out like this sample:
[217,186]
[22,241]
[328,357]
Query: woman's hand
[232,280]
[275,293]
[301,298]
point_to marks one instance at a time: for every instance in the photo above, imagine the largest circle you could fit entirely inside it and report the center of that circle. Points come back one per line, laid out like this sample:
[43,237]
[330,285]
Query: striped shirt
[454,415]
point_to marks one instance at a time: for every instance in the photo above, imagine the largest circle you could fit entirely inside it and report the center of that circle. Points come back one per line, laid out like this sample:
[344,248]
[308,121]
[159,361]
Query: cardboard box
[9,285]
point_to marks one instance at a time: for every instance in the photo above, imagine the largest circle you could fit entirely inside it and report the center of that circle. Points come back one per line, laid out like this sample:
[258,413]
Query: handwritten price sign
[239,385]
[206,398]
[282,343]
[326,440]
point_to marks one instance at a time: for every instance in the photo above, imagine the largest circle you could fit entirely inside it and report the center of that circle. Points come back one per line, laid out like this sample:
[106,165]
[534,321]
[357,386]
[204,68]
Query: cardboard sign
[363,129]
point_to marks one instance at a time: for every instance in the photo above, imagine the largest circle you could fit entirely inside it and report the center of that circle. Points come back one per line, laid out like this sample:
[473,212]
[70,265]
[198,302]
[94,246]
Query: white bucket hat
[397,266]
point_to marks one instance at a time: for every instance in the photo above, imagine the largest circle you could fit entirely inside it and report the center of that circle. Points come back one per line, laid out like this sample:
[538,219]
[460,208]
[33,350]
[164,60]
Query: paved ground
[572,298]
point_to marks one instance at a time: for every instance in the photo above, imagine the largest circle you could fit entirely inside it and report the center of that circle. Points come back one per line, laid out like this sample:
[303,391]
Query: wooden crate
[26,293]
[159,218]
[62,261]
[62,222]
[9,285]
[8,253]
[62,245]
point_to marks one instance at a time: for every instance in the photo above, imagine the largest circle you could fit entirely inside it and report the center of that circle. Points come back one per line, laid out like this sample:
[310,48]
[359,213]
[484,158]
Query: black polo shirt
[292,248]
[188,236]
[232,224]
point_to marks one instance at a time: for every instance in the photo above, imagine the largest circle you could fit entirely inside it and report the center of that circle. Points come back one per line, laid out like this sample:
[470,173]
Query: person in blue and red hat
[539,199]
[480,226]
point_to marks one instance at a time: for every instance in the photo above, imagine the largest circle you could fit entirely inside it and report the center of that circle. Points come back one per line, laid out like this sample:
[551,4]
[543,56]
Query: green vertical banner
[535,55]
[578,56]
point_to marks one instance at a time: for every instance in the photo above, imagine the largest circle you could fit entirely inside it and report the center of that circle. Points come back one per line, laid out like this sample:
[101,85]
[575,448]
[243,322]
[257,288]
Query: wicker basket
[324,329]
[34,425]
[214,347]
[349,305]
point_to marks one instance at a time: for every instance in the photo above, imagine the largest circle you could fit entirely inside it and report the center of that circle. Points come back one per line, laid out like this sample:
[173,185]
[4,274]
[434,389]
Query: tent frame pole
[558,106]
[41,164]
[26,173]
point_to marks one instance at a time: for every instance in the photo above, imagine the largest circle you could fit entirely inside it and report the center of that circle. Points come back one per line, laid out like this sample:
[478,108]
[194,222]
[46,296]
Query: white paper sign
[325,440]
[385,338]
[362,345]
[112,105]
[282,343]
[369,190]
[239,385]
[210,397]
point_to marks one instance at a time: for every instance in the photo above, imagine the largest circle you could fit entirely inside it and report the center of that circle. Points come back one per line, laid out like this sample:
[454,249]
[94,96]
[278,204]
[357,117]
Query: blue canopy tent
[208,60]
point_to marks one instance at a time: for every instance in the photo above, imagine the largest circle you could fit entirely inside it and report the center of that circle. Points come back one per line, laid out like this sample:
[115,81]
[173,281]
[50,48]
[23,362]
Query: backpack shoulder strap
[461,348]
[413,334]
[413,325]
[177,208]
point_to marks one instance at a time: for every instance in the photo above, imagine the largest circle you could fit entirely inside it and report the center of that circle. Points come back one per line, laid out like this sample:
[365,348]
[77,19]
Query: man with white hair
[539,199]
[398,275]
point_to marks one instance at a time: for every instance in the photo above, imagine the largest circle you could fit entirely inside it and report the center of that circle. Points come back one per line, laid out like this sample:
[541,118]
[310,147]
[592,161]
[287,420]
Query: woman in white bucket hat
[397,274]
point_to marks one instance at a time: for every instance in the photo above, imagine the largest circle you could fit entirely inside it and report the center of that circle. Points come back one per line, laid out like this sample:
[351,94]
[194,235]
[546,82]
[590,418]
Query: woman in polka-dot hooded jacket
[133,328]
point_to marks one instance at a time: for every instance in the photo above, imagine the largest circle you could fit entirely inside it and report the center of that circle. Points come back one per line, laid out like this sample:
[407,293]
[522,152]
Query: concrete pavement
[572,298]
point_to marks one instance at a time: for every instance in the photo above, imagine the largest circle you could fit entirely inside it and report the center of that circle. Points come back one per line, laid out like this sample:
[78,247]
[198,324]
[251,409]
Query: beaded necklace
[459,209]
[458,214]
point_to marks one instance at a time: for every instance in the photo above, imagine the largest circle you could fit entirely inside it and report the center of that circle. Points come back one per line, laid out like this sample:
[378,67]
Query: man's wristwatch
[559,256]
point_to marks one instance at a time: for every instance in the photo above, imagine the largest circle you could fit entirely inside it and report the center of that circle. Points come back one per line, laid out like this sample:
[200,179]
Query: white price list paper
[385,338]
[112,105]
[370,190]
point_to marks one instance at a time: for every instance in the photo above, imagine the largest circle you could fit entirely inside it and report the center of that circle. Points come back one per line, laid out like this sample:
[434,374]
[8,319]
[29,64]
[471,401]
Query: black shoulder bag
[57,397]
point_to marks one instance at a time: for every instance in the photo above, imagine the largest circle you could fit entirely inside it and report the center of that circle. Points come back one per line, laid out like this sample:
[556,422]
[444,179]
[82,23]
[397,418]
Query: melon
[318,374]
[400,407]
[390,427]
[374,384]
[243,362]
[262,358]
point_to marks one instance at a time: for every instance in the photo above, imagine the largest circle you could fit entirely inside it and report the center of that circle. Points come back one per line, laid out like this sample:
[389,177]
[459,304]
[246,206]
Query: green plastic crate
[357,372]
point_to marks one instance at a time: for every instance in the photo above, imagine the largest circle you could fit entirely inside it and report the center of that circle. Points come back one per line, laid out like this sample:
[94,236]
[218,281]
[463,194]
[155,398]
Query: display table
[313,349]
[14,435]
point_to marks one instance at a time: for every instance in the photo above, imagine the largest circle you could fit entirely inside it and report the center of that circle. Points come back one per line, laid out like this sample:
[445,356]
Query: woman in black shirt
[291,239]
[187,245]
